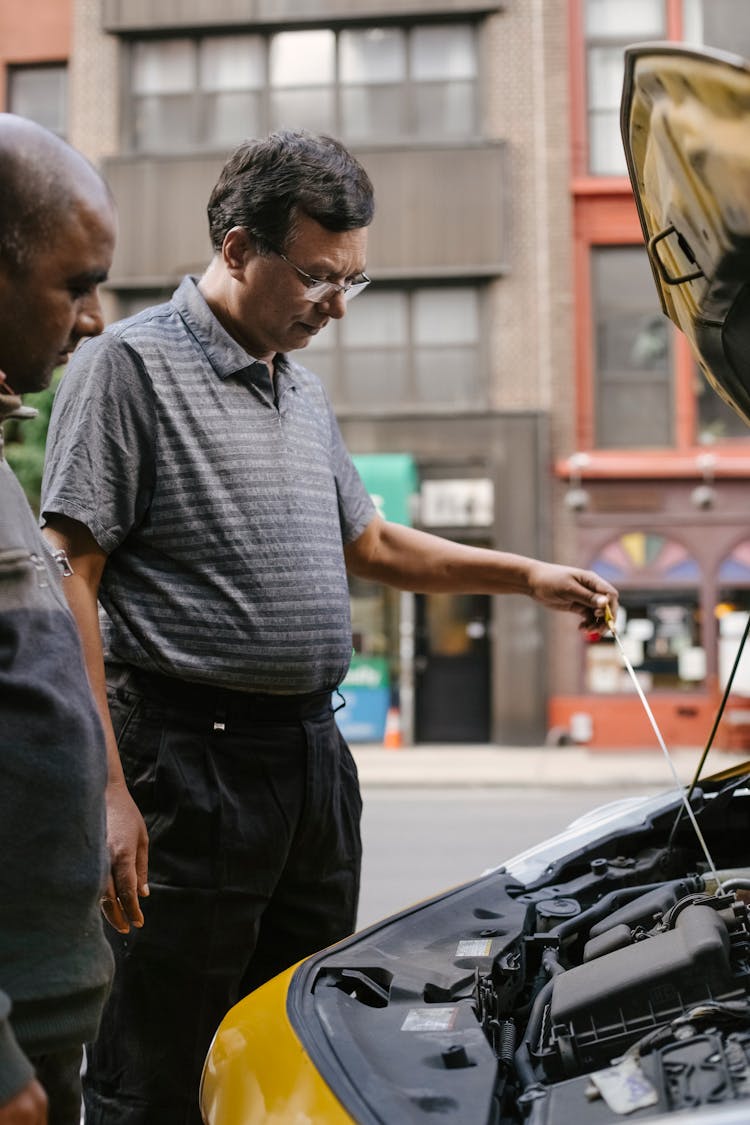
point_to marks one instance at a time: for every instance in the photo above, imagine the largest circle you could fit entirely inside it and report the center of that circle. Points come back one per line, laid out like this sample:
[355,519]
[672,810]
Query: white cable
[657,732]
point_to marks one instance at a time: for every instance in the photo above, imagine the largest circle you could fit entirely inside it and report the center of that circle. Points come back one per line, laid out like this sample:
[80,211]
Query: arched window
[659,622]
[640,555]
[732,612]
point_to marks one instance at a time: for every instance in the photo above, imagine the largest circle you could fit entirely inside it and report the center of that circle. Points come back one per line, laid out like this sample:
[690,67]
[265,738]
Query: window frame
[336,384]
[599,376]
[13,69]
[406,88]
[605,215]
[593,43]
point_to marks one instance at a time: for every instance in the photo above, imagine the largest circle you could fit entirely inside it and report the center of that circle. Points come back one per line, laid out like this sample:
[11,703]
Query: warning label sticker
[480,947]
[429,1019]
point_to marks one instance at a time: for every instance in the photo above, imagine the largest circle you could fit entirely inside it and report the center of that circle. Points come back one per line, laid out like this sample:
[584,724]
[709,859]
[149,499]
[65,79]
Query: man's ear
[237,249]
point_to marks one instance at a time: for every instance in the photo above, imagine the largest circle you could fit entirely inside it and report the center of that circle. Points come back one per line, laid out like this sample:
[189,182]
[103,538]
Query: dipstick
[631,672]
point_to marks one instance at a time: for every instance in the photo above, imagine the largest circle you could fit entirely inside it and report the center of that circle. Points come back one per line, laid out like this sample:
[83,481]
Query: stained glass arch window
[735,568]
[641,557]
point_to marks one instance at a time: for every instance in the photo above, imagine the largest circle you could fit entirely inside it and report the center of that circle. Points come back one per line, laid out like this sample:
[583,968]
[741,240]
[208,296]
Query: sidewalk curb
[459,766]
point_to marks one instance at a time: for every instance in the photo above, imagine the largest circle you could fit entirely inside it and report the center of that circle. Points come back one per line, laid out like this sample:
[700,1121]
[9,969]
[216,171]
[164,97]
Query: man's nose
[90,319]
[335,305]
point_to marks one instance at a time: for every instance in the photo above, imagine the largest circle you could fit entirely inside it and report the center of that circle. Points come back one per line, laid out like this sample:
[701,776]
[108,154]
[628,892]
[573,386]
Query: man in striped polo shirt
[198,482]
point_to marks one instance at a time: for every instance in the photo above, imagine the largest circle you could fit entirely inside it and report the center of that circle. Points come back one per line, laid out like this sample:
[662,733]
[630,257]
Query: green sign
[367,672]
[391,479]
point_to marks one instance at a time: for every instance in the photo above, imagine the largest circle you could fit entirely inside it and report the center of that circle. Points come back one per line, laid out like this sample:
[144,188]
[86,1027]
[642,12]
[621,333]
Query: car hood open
[686,130]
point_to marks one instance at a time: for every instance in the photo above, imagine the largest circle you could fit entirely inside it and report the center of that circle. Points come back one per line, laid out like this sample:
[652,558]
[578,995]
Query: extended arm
[126,832]
[415,560]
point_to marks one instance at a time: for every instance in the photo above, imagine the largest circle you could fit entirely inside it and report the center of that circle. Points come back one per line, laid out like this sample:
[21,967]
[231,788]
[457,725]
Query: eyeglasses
[317,290]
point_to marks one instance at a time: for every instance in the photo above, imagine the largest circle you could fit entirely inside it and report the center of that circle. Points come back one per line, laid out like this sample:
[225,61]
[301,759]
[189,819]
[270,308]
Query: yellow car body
[258,1072]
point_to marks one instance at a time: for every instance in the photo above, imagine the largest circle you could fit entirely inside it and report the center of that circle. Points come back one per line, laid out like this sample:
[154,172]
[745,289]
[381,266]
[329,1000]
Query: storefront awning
[391,479]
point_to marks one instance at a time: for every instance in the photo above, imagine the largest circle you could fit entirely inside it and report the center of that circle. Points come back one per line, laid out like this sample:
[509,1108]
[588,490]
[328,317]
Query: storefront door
[452,668]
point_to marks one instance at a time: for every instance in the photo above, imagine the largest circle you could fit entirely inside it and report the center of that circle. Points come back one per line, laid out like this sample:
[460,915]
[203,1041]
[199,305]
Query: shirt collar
[227,357]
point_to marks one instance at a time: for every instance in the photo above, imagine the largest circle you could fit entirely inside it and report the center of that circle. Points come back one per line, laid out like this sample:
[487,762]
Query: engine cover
[600,1007]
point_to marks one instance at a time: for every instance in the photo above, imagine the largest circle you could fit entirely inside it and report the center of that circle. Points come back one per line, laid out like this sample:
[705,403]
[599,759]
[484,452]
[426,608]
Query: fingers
[122,908]
[141,869]
[598,597]
[122,912]
[113,912]
[598,606]
[128,849]
[578,591]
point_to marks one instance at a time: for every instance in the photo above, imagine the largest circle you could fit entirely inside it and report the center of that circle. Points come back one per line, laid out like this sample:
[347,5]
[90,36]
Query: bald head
[57,235]
[41,177]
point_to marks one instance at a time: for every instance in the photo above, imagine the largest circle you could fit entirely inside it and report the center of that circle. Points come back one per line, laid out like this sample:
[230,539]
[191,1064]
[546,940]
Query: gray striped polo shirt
[223,506]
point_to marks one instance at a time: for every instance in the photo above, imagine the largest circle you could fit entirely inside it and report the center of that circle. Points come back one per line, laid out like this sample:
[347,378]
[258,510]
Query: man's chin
[34,382]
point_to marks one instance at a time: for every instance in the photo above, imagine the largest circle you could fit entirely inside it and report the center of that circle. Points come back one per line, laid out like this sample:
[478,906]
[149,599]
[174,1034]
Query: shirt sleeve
[99,465]
[356,509]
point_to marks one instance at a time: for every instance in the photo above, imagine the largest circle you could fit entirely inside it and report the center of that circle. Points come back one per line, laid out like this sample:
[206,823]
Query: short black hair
[267,183]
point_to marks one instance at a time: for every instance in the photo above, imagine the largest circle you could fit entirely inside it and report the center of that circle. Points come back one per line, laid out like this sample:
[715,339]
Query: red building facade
[657,487]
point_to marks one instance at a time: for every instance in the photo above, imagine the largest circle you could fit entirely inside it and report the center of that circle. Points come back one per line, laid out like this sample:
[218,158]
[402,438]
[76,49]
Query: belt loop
[220,717]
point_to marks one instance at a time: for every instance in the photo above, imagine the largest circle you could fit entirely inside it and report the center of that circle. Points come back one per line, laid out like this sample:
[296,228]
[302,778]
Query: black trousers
[60,1074]
[252,806]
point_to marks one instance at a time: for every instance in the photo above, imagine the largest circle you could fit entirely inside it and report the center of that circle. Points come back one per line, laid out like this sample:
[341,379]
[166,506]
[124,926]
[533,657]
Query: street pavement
[575,767]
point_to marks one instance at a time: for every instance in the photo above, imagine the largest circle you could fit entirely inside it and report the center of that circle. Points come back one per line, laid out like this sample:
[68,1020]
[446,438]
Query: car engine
[640,1000]
[604,976]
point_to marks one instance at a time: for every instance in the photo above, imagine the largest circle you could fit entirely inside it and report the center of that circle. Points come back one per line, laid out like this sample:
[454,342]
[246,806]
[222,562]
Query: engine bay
[603,976]
[640,1000]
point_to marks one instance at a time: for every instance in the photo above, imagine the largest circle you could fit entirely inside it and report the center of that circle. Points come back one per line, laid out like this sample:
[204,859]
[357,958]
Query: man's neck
[214,290]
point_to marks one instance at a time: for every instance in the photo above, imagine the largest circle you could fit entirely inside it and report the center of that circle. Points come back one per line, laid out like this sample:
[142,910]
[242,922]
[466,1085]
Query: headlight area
[257,1071]
[617,981]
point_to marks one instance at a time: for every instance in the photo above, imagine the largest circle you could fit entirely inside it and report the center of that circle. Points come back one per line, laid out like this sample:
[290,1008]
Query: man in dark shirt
[56,241]
[217,540]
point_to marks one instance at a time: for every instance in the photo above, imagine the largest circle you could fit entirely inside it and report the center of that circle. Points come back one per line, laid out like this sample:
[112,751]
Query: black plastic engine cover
[599,1007]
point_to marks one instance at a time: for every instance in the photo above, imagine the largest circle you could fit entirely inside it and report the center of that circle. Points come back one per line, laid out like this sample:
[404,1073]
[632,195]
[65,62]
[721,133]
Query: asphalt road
[418,842]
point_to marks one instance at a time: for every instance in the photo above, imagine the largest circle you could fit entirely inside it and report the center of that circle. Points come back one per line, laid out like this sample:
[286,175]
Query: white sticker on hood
[624,1086]
[429,1019]
[474,947]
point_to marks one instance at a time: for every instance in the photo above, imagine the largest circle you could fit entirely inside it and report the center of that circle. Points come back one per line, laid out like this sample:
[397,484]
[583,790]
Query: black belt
[226,703]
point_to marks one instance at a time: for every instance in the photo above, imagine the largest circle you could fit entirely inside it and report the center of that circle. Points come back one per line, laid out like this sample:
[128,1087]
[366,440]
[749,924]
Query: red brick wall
[33,31]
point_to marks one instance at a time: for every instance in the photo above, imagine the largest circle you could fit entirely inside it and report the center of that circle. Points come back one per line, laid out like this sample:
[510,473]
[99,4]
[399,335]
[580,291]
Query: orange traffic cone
[392,736]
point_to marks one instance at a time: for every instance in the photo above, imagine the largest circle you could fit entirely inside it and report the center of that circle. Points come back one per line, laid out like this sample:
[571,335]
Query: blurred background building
[508,380]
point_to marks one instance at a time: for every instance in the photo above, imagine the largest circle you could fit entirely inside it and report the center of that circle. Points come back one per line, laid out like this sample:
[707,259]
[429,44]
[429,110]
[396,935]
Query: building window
[402,348]
[660,631]
[419,82]
[192,94]
[633,385]
[715,420]
[718,23]
[660,621]
[610,25]
[732,613]
[364,84]
[40,93]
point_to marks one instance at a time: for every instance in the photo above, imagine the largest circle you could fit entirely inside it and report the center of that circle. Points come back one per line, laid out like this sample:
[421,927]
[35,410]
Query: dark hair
[266,183]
